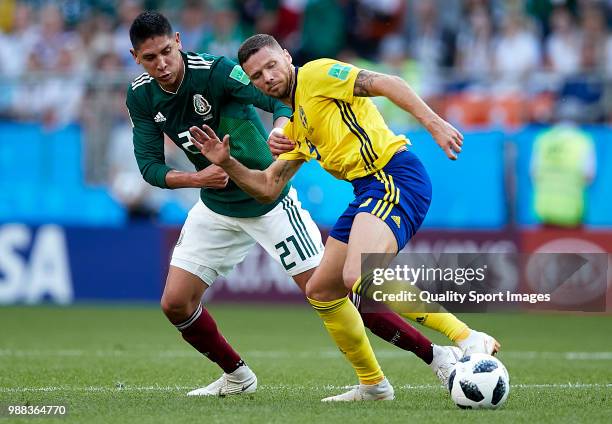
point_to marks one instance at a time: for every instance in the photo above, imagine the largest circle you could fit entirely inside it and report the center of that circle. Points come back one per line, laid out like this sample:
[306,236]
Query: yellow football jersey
[345,133]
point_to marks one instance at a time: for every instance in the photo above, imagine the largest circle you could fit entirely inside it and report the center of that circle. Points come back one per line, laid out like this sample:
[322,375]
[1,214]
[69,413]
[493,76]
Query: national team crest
[201,105]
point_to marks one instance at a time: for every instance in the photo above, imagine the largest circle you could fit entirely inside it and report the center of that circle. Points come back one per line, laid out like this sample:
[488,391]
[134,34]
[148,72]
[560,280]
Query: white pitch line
[128,388]
[283,354]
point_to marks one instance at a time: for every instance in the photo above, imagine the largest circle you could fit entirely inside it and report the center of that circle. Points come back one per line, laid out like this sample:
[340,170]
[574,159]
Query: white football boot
[239,382]
[479,342]
[444,360]
[380,391]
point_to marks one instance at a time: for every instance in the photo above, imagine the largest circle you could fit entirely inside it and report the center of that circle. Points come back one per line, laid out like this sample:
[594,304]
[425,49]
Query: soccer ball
[479,381]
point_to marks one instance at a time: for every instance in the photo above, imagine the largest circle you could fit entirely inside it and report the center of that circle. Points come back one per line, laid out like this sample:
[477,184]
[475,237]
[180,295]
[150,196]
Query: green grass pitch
[127,364]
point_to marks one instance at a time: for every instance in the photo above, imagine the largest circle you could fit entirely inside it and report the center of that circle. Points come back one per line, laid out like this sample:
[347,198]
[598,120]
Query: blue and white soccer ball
[479,381]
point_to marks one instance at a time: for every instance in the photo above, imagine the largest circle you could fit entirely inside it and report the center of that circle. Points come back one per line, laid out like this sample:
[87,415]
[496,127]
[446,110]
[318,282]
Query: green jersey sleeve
[236,84]
[148,142]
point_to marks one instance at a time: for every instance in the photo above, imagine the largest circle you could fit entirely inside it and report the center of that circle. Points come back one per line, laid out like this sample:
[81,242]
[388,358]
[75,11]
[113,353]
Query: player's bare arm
[264,186]
[212,176]
[372,84]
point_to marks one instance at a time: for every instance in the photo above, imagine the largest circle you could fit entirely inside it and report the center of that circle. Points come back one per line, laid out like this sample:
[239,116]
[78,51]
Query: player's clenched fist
[208,143]
[279,143]
[212,176]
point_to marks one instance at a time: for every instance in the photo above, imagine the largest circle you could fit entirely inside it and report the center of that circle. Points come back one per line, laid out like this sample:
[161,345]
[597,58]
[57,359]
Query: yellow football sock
[431,315]
[444,322]
[344,325]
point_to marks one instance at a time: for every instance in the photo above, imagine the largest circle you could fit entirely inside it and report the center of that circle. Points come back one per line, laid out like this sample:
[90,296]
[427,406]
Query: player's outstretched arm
[372,84]
[264,186]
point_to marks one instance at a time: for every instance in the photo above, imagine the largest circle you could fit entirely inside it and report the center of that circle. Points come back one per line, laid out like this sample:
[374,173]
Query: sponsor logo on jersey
[201,105]
[160,117]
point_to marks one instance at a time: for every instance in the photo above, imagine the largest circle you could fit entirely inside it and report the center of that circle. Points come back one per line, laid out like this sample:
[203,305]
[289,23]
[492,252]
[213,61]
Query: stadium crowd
[478,62]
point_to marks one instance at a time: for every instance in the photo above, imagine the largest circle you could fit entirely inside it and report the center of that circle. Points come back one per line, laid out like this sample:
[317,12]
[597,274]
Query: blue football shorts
[399,194]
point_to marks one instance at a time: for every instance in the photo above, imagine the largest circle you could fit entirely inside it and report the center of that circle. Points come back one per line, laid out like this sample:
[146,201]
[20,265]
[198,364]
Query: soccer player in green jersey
[180,90]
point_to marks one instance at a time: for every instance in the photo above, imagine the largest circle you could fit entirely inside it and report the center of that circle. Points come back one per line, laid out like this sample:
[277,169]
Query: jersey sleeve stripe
[198,59]
[135,86]
[140,77]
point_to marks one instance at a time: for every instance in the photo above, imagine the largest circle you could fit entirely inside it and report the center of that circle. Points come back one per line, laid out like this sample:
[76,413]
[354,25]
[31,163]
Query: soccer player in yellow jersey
[336,123]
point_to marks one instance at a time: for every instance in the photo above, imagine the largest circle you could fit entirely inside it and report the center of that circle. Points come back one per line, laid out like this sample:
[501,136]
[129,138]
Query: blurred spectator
[16,45]
[103,109]
[542,10]
[128,10]
[287,23]
[582,94]
[563,165]
[323,30]
[394,60]
[563,43]
[226,35]
[516,52]
[369,21]
[433,47]
[475,43]
[609,58]
[256,16]
[97,39]
[55,99]
[52,38]
[125,182]
[193,25]
[595,36]
[7,8]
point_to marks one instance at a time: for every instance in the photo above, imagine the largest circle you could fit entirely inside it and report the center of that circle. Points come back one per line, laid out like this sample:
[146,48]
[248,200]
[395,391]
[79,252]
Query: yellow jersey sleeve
[298,153]
[330,78]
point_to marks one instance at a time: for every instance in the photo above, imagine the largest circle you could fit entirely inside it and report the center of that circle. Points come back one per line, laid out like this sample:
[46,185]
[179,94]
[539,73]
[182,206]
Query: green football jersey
[216,92]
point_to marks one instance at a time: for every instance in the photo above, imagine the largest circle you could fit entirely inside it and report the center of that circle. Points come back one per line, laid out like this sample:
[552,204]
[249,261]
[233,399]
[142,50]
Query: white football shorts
[211,244]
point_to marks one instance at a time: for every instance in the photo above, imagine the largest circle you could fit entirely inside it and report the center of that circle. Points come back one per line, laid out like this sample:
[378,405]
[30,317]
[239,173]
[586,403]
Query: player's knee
[325,291]
[350,277]
[316,290]
[312,291]
[175,307]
